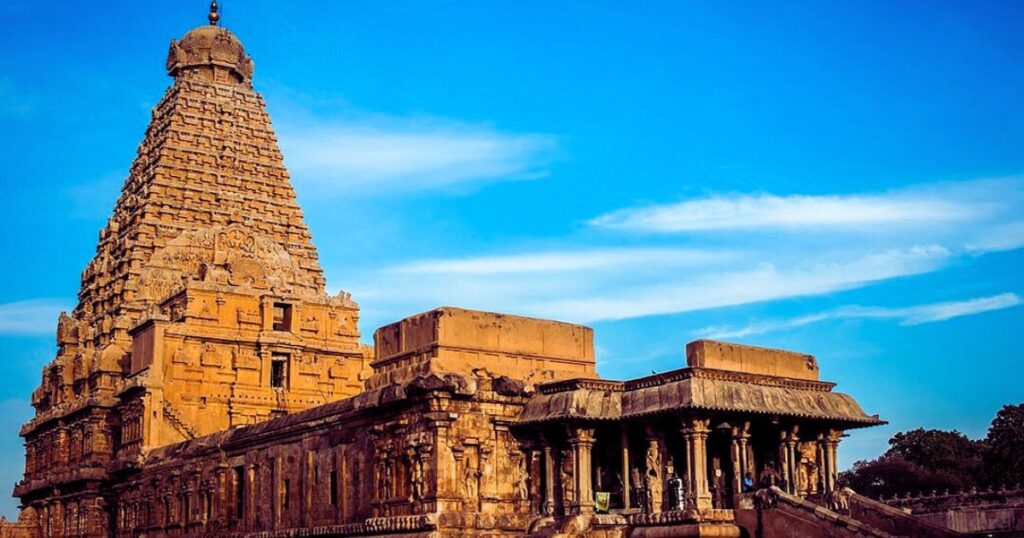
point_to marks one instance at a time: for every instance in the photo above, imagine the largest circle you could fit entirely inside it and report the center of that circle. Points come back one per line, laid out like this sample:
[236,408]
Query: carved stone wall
[174,334]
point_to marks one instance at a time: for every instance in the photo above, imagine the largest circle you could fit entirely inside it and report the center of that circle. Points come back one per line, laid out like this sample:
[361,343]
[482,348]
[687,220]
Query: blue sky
[840,178]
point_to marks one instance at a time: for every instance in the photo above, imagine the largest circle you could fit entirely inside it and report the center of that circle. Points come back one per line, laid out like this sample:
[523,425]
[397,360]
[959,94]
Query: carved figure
[567,473]
[209,357]
[522,478]
[652,479]
[416,478]
[470,480]
[381,473]
[807,469]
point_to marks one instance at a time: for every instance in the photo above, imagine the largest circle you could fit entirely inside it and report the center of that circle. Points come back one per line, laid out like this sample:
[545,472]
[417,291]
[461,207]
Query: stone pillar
[788,443]
[277,490]
[441,470]
[740,438]
[341,492]
[626,486]
[63,452]
[221,509]
[830,472]
[695,432]
[306,486]
[821,460]
[549,479]
[582,441]
[536,469]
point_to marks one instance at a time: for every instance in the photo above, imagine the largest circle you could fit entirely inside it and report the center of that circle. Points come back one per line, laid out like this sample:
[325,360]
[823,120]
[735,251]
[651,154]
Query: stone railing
[675,517]
[374,525]
[935,501]
[893,520]
[775,498]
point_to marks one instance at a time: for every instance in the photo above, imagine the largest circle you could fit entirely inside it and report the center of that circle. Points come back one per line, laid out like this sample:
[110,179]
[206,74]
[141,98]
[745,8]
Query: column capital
[580,435]
[741,432]
[696,427]
[833,436]
[789,435]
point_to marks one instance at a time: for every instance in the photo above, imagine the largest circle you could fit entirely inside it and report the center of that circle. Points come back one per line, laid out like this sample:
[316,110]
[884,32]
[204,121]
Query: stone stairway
[174,418]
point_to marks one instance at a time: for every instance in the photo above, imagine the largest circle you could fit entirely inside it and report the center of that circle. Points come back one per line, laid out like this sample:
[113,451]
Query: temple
[207,385]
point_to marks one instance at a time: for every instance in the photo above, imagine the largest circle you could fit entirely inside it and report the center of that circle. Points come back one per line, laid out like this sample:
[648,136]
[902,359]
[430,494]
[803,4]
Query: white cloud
[588,292]
[547,262]
[382,156]
[937,204]
[660,274]
[38,316]
[911,315]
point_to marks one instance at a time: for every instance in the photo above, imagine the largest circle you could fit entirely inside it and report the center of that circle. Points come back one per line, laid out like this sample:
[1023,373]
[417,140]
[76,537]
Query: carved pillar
[340,492]
[821,460]
[830,472]
[441,468]
[624,444]
[740,438]
[549,479]
[536,468]
[62,445]
[277,490]
[788,458]
[221,509]
[695,432]
[306,488]
[251,494]
[582,441]
[653,473]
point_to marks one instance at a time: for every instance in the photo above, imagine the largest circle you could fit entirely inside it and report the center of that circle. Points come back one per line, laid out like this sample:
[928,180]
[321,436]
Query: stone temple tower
[204,307]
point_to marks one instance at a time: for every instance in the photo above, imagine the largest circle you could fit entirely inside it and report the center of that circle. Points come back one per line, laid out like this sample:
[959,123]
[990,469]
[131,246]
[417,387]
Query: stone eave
[58,413]
[693,389]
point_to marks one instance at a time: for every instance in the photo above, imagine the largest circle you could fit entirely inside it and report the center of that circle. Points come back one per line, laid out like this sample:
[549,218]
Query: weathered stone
[206,385]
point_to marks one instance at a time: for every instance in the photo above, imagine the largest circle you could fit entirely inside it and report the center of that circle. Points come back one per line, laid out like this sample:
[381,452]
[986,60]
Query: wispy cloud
[573,260]
[385,155]
[38,316]
[913,231]
[911,315]
[944,203]
[591,290]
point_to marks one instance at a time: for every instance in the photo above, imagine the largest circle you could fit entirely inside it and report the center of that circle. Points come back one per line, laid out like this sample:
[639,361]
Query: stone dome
[209,49]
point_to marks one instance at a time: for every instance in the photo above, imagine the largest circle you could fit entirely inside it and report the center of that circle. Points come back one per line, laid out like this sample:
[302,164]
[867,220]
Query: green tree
[938,451]
[1003,455]
[918,461]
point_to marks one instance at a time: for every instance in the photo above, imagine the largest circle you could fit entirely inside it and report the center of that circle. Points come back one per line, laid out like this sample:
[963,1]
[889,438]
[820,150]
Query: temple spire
[214,16]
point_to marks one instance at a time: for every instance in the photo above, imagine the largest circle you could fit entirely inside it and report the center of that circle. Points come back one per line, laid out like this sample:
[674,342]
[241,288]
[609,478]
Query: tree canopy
[921,461]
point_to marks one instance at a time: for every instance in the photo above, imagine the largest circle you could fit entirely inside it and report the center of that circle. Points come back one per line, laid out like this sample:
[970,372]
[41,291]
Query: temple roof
[694,389]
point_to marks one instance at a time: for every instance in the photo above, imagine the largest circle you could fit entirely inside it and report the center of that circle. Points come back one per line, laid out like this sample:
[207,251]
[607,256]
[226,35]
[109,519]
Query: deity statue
[470,481]
[807,468]
[416,478]
[567,473]
[652,479]
[382,479]
[522,478]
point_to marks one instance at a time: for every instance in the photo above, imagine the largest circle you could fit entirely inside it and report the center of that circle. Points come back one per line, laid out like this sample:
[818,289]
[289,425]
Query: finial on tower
[214,17]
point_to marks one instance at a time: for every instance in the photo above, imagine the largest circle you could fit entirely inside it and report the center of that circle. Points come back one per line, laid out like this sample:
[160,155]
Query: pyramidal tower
[204,307]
